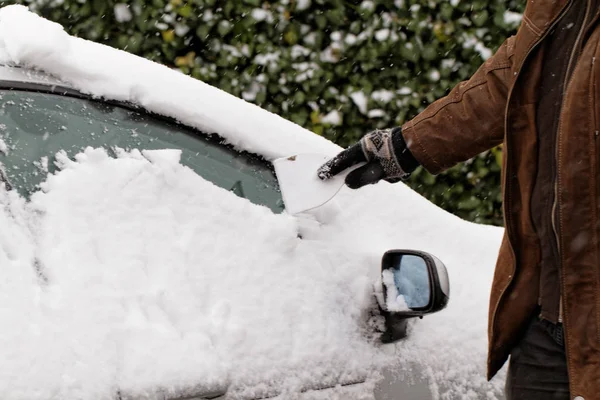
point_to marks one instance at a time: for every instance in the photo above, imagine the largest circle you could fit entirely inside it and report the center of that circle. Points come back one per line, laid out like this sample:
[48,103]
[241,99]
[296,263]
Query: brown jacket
[498,105]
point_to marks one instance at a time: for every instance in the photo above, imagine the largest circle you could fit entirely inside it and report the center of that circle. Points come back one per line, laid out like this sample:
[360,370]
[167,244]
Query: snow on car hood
[148,275]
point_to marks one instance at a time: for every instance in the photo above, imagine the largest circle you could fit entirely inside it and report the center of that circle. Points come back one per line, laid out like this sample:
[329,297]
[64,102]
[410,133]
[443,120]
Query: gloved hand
[386,154]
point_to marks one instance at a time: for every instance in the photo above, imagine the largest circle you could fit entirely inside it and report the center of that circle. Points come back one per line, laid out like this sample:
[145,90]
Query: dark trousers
[538,365]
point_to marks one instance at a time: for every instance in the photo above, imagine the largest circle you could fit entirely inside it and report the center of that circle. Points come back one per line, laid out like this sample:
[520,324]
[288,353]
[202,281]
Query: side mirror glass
[414,283]
[407,283]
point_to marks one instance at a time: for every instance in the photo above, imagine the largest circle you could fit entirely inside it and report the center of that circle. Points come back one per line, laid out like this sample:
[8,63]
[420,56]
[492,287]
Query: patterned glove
[386,154]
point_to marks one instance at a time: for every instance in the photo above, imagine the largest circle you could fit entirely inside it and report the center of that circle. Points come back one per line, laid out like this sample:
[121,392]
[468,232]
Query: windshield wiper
[4,178]
[238,189]
[204,396]
[274,394]
[187,395]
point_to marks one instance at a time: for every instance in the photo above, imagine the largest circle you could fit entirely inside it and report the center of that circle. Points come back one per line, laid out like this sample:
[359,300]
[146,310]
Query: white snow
[382,34]
[302,5]
[367,5]
[383,95]
[394,302]
[299,51]
[3,147]
[310,38]
[360,100]
[333,117]
[266,58]
[471,42]
[448,63]
[376,113]
[306,70]
[511,17]
[434,75]
[42,164]
[260,14]
[122,12]
[234,51]
[136,274]
[336,36]
[251,92]
[350,39]
[169,18]
[161,26]
[207,15]
[181,29]
[331,54]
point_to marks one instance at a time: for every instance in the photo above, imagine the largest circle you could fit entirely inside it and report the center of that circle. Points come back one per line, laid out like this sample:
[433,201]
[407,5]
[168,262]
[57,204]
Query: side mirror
[414,284]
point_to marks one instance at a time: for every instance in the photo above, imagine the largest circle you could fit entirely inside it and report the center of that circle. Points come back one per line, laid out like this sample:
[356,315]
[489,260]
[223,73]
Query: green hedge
[337,67]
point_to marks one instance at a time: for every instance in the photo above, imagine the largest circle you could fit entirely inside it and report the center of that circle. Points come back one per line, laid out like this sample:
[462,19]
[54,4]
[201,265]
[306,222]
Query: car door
[42,130]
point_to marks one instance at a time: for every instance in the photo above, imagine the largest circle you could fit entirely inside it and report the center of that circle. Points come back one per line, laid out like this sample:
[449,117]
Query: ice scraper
[301,188]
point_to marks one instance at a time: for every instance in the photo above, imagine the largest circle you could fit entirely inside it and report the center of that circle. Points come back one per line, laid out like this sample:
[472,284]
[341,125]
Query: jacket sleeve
[468,121]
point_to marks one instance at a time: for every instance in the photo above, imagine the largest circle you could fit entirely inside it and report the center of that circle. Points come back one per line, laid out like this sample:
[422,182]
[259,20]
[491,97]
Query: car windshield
[35,126]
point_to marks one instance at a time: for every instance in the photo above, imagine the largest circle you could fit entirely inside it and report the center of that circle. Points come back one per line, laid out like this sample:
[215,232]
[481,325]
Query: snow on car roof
[92,68]
[138,290]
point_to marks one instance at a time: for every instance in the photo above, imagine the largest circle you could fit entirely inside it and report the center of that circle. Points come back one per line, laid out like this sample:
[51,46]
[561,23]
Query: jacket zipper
[507,174]
[556,184]
[556,158]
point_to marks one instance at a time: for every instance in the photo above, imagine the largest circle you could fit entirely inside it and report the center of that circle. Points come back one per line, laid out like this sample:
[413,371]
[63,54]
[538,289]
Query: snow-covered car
[146,252]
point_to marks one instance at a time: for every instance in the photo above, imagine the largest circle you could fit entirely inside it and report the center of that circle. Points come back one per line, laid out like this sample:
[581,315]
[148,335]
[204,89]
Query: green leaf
[480,18]
[202,32]
[185,11]
[99,6]
[291,37]
[224,28]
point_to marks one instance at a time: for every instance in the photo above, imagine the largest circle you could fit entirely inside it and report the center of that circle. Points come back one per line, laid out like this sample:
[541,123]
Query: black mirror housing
[414,284]
[437,286]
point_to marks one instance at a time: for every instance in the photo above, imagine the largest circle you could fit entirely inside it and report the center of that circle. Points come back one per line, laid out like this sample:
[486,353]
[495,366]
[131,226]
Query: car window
[38,125]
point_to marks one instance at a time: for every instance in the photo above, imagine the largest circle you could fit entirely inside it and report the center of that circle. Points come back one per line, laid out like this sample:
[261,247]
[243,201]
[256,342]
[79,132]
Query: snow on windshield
[62,330]
[124,273]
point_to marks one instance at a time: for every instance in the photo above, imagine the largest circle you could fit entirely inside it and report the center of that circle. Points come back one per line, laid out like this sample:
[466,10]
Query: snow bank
[133,271]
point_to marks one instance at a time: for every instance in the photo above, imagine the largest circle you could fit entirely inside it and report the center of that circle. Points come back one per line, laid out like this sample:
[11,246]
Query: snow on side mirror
[414,284]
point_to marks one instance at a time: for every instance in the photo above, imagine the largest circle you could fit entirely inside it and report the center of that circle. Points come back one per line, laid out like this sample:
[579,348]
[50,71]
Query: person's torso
[568,189]
[561,50]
